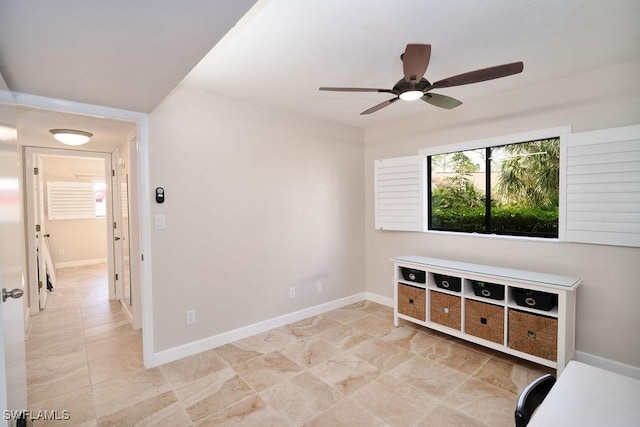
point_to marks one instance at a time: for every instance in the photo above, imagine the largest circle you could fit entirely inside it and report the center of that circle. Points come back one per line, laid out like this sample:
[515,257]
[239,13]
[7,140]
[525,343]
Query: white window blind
[124,199]
[603,187]
[399,194]
[70,200]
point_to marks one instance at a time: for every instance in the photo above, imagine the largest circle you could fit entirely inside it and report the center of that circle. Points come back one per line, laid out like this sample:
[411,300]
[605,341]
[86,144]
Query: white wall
[608,318]
[257,201]
[80,239]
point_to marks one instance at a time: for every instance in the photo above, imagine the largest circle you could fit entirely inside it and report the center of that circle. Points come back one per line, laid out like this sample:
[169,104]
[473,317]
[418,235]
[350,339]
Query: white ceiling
[130,55]
[33,129]
[118,53]
[283,50]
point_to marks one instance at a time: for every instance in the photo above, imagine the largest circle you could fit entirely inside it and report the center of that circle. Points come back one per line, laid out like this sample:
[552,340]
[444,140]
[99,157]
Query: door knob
[116,238]
[46,235]
[14,293]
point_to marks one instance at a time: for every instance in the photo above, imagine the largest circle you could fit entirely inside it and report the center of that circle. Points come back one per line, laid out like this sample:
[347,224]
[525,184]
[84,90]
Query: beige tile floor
[347,367]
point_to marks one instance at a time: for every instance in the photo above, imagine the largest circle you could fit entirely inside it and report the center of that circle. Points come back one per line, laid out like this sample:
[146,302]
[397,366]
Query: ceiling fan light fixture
[71,136]
[414,85]
[411,95]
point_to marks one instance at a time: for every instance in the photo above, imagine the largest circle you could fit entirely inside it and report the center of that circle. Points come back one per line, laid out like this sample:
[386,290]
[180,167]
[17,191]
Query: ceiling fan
[413,86]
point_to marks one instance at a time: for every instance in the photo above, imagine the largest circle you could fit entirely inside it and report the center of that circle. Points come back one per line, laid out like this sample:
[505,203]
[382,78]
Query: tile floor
[347,367]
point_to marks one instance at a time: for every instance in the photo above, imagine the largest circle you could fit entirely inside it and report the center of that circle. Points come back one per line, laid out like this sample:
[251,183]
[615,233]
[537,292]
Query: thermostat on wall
[160,195]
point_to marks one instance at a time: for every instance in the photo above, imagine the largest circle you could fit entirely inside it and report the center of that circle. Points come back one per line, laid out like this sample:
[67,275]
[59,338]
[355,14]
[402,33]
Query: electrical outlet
[292,292]
[319,287]
[191,317]
[60,251]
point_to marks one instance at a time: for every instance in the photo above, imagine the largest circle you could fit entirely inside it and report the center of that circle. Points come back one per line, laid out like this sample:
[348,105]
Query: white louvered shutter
[603,187]
[124,199]
[399,194]
[71,200]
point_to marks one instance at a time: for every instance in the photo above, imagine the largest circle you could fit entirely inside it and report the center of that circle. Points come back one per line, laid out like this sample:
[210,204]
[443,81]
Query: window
[510,189]
[99,190]
[576,187]
[76,200]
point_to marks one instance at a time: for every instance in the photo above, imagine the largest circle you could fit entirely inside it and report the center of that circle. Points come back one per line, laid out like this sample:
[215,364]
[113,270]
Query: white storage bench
[523,313]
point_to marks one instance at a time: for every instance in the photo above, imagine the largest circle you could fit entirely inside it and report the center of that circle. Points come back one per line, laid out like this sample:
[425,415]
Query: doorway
[69,211]
[34,117]
[120,163]
[77,206]
[80,306]
[115,145]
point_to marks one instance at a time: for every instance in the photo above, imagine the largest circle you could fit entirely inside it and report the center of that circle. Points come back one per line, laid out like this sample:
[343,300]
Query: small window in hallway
[100,190]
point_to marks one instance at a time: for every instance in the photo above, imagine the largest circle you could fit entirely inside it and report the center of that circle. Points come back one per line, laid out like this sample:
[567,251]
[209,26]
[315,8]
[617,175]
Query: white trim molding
[387,301]
[81,262]
[28,321]
[562,131]
[608,364]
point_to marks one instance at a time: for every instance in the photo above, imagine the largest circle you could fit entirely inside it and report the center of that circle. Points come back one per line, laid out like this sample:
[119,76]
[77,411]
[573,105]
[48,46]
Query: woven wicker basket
[445,309]
[412,301]
[484,321]
[533,334]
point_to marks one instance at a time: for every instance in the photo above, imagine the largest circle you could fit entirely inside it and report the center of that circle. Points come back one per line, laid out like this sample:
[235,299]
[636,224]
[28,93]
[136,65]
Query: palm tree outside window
[510,189]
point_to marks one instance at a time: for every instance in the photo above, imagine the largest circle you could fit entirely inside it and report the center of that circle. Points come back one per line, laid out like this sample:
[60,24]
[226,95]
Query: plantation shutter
[399,194]
[603,187]
[70,200]
[124,199]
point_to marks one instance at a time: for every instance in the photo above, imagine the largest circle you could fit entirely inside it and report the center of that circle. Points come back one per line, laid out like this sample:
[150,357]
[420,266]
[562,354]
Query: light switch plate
[160,222]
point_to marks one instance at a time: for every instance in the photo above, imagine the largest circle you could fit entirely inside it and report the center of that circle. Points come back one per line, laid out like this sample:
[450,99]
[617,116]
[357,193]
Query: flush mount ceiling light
[71,136]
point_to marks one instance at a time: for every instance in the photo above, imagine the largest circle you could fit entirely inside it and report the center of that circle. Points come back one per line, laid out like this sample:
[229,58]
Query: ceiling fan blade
[355,89]
[441,101]
[480,75]
[379,106]
[415,61]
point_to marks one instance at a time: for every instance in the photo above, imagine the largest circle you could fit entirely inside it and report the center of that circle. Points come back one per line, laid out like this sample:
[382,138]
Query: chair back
[531,397]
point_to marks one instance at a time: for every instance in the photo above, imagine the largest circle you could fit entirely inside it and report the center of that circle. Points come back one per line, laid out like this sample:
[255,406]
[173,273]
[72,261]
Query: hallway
[78,345]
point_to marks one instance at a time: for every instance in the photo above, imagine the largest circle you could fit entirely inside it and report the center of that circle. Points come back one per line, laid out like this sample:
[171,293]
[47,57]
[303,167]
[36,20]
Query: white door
[36,264]
[118,236]
[120,203]
[42,251]
[13,382]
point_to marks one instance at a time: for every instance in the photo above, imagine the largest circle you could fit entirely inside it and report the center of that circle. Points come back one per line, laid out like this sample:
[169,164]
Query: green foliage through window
[511,189]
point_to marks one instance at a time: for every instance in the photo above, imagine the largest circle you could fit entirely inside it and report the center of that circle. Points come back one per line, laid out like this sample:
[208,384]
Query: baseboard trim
[27,323]
[81,262]
[379,299]
[195,347]
[608,364]
[214,341]
[127,312]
